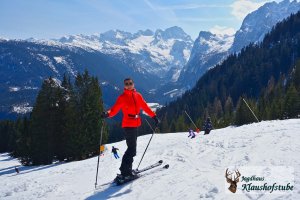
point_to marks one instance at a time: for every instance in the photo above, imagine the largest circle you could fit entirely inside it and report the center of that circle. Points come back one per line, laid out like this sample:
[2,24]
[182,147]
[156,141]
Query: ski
[137,173]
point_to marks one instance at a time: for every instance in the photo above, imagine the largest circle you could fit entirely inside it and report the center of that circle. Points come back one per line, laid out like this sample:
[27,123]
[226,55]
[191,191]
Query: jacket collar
[129,91]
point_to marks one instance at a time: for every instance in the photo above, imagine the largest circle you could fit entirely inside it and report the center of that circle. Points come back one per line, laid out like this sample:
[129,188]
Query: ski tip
[166,166]
[161,161]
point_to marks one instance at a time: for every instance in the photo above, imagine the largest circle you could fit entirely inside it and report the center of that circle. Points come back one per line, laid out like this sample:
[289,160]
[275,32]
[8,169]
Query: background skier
[114,151]
[191,133]
[131,102]
[207,126]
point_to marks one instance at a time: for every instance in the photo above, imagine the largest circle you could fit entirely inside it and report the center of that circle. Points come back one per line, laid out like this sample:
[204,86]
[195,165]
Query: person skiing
[207,126]
[114,151]
[131,102]
[191,133]
[17,170]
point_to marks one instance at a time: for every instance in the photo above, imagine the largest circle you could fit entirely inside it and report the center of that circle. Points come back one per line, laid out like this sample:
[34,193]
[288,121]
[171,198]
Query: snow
[218,43]
[59,59]
[47,60]
[154,53]
[166,93]
[153,106]
[197,167]
[14,89]
[119,35]
[30,88]
[62,60]
[22,108]
[176,75]
[160,51]
[186,53]
[104,83]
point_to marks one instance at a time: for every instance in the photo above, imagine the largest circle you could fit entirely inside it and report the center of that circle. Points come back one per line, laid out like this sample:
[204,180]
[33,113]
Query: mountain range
[164,63]
[210,49]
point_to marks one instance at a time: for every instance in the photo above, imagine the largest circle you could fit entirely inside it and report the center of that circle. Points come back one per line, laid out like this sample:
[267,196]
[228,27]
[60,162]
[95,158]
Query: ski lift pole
[153,131]
[250,110]
[100,143]
[191,119]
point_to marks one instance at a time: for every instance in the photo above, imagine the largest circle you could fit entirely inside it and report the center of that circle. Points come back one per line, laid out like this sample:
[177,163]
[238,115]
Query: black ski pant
[206,132]
[130,134]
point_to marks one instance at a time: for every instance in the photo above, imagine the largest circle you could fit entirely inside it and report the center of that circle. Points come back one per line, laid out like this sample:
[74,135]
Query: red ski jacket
[131,102]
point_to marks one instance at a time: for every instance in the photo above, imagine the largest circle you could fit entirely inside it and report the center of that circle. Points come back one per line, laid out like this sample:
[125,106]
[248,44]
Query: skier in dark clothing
[114,151]
[131,102]
[207,126]
[17,170]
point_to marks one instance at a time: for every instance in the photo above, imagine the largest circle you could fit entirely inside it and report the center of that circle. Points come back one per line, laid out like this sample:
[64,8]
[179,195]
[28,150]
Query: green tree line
[64,124]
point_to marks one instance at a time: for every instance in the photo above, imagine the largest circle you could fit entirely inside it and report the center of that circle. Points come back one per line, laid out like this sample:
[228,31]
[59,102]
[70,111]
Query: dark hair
[128,79]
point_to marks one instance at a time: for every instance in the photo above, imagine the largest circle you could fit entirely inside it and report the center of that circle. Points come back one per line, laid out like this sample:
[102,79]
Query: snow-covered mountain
[164,63]
[197,167]
[24,65]
[161,53]
[210,49]
[150,58]
[259,22]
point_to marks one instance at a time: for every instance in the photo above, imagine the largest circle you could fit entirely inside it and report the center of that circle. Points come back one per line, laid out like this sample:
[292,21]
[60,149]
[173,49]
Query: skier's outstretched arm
[146,108]
[116,107]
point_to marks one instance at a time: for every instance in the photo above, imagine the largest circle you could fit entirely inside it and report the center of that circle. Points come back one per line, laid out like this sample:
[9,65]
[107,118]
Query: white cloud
[222,30]
[241,8]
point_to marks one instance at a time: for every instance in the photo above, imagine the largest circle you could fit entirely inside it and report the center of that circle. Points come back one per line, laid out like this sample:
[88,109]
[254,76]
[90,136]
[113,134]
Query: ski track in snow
[196,167]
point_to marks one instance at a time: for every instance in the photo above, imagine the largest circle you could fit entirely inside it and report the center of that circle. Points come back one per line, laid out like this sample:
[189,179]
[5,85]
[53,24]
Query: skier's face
[129,85]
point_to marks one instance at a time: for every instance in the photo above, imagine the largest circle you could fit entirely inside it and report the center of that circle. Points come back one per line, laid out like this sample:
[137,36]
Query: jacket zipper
[135,107]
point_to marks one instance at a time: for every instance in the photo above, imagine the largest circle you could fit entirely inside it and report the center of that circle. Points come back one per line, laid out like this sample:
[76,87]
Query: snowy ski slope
[196,167]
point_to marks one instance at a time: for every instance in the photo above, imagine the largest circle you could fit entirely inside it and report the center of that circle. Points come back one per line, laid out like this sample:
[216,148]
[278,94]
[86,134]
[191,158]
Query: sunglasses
[128,83]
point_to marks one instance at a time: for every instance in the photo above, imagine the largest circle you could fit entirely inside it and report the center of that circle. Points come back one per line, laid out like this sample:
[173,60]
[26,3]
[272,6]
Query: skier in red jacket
[131,102]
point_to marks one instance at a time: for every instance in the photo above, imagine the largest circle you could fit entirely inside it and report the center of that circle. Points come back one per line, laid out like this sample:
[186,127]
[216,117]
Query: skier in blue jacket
[114,151]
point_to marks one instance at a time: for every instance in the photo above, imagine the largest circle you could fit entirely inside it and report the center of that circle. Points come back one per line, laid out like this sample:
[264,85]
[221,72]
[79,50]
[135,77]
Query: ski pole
[191,120]
[99,152]
[153,131]
[250,110]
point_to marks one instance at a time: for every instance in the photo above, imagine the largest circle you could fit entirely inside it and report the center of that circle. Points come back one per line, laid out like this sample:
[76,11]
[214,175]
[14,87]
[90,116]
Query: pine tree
[180,124]
[84,124]
[292,102]
[46,124]
[23,147]
[296,76]
[218,109]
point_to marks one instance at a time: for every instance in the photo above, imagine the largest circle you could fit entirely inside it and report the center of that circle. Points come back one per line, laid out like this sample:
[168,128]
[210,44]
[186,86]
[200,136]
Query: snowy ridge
[210,49]
[265,18]
[196,170]
[154,52]
[215,43]
[208,45]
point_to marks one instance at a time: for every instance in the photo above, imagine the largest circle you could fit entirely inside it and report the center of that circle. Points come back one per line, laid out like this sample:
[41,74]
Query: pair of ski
[137,174]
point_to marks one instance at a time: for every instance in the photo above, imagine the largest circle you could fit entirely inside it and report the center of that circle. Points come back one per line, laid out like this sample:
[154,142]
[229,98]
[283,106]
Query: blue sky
[43,19]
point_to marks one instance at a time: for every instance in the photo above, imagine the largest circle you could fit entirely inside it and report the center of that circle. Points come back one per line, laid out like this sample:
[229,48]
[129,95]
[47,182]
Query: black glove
[156,120]
[104,114]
